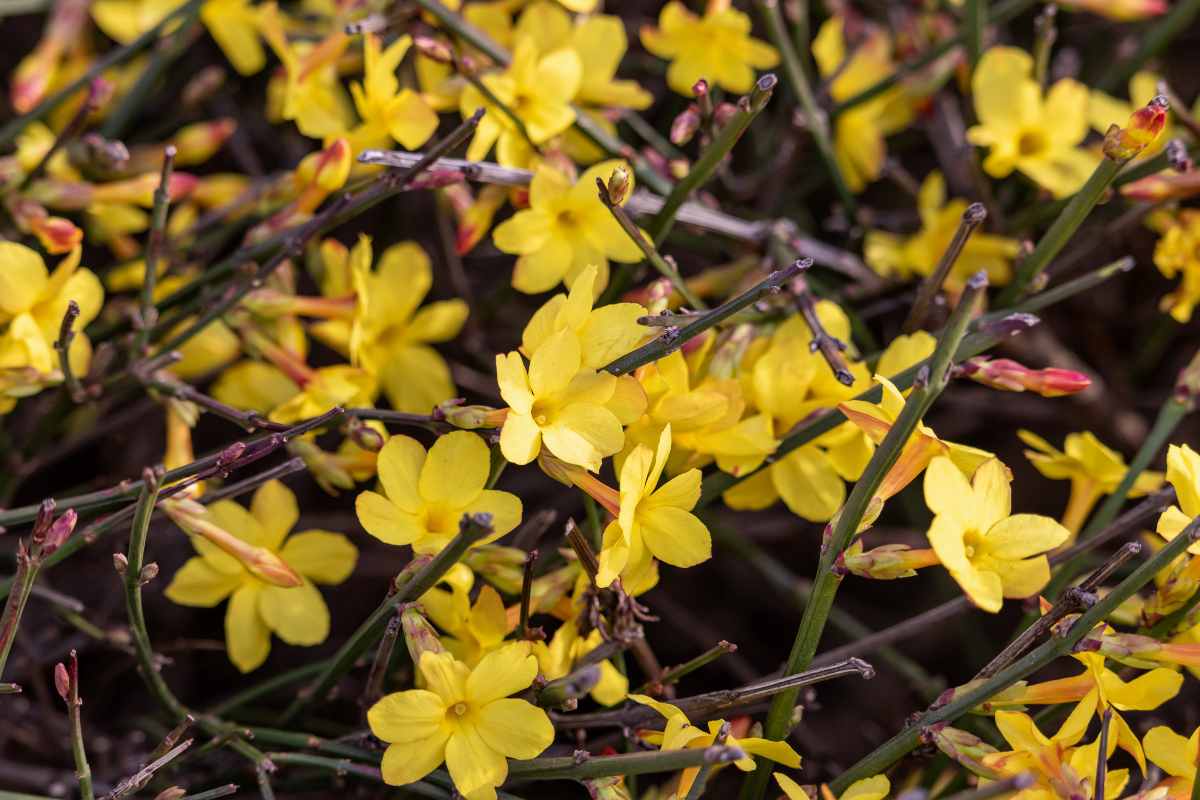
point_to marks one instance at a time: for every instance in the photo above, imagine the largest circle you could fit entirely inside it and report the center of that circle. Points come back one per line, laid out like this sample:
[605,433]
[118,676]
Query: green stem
[748,108]
[674,674]
[666,268]
[148,314]
[1150,43]
[12,130]
[846,524]
[1061,231]
[266,687]
[975,14]
[904,742]
[22,586]
[674,339]
[701,780]
[83,770]
[816,119]
[213,794]
[570,768]
[116,123]
[471,529]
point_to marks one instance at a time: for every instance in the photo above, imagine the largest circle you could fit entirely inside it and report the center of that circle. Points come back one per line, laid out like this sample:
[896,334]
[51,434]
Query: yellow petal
[320,556]
[274,506]
[554,364]
[1024,535]
[438,322]
[399,464]
[1145,692]
[411,761]
[247,637]
[808,483]
[473,764]
[992,495]
[445,676]
[520,438]
[789,786]
[1170,751]
[515,728]
[947,491]
[455,470]
[874,788]
[197,583]
[23,275]
[384,520]
[1021,579]
[501,673]
[583,434]
[504,507]
[675,536]
[407,716]
[296,614]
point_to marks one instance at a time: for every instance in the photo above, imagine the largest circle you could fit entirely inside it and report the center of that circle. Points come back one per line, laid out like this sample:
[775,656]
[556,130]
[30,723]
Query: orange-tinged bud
[261,562]
[475,214]
[195,144]
[620,185]
[887,562]
[433,48]
[1009,376]
[1122,144]
[1119,10]
[57,234]
[1155,188]
[328,168]
[469,417]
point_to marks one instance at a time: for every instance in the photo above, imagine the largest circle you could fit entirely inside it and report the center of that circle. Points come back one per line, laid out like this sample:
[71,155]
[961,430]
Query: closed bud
[965,748]
[149,572]
[203,85]
[1122,144]
[469,417]
[120,564]
[1119,10]
[62,682]
[231,454]
[887,562]
[196,143]
[59,530]
[620,185]
[95,153]
[723,113]
[503,567]
[328,168]
[43,521]
[1010,376]
[171,793]
[419,634]
[326,468]
[1161,186]
[365,436]
[684,126]
[433,48]
[474,213]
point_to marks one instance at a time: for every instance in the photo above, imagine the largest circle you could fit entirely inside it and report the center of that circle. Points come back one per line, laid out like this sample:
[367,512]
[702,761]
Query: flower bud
[1119,10]
[43,521]
[329,473]
[433,48]
[1161,186]
[503,567]
[196,143]
[965,748]
[474,213]
[203,85]
[94,153]
[469,417]
[120,564]
[419,634]
[58,531]
[171,793]
[365,436]
[887,562]
[1122,144]
[1009,376]
[62,682]
[327,169]
[723,113]
[620,185]
[684,126]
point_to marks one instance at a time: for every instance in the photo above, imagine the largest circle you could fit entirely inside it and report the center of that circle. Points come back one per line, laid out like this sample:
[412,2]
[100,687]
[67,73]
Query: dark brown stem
[1102,756]
[829,347]
[583,549]
[972,218]
[528,633]
[66,335]
[147,315]
[376,678]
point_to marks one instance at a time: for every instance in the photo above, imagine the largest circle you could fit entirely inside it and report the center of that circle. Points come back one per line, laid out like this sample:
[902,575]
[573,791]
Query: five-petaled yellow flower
[991,552]
[465,718]
[265,596]
[565,230]
[654,520]
[425,495]
[717,47]
[1037,136]
[1176,756]
[1178,254]
[1183,472]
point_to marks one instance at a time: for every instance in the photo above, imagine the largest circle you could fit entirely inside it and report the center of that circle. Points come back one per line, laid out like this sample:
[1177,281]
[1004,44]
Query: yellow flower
[323,389]
[473,630]
[536,88]
[1178,253]
[1098,689]
[566,647]
[875,787]
[991,552]
[654,520]
[859,132]
[1176,756]
[717,47]
[233,24]
[33,301]
[1104,110]
[1036,136]
[387,111]
[1061,768]
[258,605]
[389,336]
[313,96]
[426,494]
[1093,469]
[465,718]
[565,230]
[558,403]
[680,734]
[905,257]
[1183,472]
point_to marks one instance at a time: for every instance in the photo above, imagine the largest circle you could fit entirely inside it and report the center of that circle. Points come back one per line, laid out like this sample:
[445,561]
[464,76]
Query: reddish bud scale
[62,682]
[1122,144]
[1154,188]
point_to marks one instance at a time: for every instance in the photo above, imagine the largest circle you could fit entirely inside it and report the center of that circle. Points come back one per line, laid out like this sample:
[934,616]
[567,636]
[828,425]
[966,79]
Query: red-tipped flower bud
[1009,376]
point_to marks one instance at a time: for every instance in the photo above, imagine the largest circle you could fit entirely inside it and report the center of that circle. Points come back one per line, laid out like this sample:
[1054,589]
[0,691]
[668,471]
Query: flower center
[460,709]
[565,218]
[1031,143]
